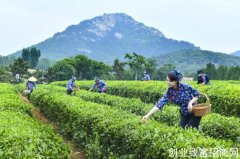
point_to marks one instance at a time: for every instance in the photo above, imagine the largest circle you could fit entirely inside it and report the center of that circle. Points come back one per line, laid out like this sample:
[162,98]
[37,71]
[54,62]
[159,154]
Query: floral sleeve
[160,104]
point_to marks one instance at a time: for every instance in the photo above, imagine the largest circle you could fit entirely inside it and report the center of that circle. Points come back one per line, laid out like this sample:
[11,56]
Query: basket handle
[208,100]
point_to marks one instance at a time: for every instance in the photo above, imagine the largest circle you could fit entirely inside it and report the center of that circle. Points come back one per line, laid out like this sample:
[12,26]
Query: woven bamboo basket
[75,90]
[202,109]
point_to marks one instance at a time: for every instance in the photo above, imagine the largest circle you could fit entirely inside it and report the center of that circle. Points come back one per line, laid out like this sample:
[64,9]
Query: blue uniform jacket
[70,85]
[100,84]
[31,85]
[146,77]
[180,97]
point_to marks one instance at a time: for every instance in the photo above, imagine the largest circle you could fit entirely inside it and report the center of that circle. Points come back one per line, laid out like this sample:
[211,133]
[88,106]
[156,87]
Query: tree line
[82,67]
[79,66]
[6,60]
[137,64]
[134,66]
[12,66]
[222,72]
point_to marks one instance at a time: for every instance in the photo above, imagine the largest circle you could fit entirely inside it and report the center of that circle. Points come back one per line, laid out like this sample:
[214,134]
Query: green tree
[136,63]
[118,68]
[83,66]
[19,66]
[87,68]
[100,69]
[31,56]
[5,74]
[237,73]
[233,73]
[211,71]
[61,71]
[163,71]
[34,56]
[26,55]
[151,67]
[80,66]
[229,73]
[221,72]
[129,74]
[43,64]
[6,60]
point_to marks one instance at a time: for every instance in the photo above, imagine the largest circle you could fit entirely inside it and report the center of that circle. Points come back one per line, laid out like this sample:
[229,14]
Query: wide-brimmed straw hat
[33,79]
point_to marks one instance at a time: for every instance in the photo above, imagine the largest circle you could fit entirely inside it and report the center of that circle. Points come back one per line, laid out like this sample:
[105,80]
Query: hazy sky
[210,24]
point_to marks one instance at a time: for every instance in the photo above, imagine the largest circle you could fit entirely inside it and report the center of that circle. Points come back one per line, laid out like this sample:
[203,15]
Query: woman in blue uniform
[102,87]
[30,86]
[203,78]
[71,85]
[181,94]
[146,76]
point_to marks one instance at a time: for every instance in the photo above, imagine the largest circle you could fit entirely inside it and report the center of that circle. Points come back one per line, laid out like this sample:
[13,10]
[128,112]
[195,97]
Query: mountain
[188,61]
[237,53]
[108,37]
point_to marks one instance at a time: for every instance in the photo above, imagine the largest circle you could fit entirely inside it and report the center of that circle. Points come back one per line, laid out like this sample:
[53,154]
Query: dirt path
[76,152]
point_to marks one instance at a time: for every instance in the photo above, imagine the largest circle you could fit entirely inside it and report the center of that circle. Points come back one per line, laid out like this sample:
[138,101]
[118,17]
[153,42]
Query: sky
[209,24]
